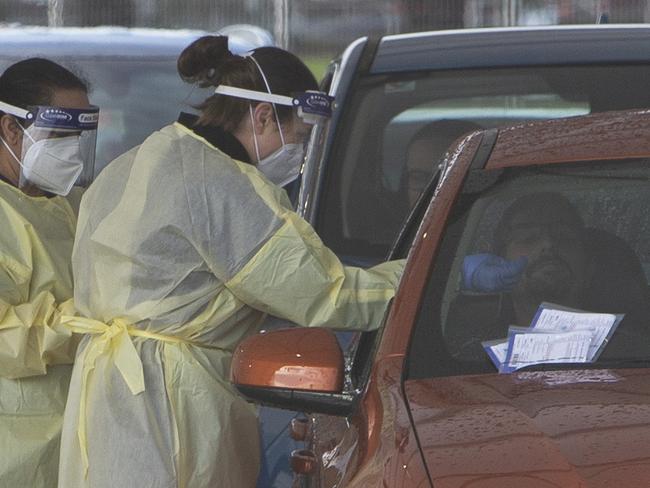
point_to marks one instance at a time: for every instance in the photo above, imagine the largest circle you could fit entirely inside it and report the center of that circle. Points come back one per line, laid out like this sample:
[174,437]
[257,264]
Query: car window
[415,136]
[397,127]
[585,233]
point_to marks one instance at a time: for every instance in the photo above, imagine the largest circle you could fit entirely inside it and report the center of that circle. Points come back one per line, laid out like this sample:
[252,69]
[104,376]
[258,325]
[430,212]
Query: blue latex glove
[488,273]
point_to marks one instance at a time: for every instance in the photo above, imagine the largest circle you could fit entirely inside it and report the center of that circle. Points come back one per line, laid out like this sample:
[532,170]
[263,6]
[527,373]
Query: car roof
[516,46]
[602,136]
[82,42]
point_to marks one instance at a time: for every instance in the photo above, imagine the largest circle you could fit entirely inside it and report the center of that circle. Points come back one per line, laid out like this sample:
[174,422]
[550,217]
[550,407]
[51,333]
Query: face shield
[284,165]
[58,147]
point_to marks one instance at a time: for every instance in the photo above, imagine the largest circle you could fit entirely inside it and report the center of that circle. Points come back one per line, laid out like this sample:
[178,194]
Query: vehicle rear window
[396,128]
[586,231]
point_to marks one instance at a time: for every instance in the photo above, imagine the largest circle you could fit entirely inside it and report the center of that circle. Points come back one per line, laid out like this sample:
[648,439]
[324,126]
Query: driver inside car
[542,252]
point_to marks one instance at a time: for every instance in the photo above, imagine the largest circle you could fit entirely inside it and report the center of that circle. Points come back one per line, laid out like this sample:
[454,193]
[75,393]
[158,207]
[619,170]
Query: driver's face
[420,166]
[555,251]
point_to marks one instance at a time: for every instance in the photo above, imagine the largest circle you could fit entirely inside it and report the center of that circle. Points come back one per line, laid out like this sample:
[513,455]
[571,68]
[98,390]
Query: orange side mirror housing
[299,359]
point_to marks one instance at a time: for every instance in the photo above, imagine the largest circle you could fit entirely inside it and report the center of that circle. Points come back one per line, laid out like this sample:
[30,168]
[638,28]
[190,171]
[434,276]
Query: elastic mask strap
[25,133]
[268,89]
[257,149]
[11,151]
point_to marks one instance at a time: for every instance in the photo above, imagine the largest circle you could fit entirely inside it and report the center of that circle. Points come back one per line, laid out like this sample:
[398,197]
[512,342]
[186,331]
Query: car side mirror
[297,369]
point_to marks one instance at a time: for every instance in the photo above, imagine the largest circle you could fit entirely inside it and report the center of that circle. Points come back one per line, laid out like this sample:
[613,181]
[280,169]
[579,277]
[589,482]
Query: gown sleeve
[296,277]
[31,337]
[273,260]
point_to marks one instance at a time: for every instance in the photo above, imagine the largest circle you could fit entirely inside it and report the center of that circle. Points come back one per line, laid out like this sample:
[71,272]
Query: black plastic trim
[310,402]
[484,150]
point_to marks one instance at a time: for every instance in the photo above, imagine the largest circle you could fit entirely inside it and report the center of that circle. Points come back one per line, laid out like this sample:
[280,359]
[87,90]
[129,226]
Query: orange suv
[442,395]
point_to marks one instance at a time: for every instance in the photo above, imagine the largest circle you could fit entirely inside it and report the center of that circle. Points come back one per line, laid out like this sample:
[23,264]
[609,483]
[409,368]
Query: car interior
[609,197]
[365,194]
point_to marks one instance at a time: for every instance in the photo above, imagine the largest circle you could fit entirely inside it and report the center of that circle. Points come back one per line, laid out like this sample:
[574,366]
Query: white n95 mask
[54,164]
[58,146]
[283,165]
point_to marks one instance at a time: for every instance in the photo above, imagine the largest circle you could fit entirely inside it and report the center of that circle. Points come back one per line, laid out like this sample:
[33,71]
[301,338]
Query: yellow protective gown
[180,253]
[36,238]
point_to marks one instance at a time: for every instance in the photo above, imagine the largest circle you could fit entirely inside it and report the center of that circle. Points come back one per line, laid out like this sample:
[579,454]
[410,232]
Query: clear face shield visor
[311,107]
[58,147]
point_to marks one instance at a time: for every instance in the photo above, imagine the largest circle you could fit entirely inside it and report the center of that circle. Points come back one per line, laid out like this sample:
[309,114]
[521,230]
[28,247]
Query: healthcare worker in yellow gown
[41,157]
[184,244]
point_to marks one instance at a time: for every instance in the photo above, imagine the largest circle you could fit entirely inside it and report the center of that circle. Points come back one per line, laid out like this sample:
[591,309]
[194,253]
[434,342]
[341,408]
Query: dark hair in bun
[199,61]
[208,62]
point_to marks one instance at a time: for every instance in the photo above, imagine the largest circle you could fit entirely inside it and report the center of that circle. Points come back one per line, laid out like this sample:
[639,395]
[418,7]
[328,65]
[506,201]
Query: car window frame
[368,342]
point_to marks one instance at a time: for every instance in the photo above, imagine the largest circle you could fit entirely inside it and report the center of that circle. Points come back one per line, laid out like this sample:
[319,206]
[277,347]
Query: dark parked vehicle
[446,83]
[420,403]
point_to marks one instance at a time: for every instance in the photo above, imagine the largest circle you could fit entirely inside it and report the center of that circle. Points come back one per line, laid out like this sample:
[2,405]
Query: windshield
[396,127]
[584,232]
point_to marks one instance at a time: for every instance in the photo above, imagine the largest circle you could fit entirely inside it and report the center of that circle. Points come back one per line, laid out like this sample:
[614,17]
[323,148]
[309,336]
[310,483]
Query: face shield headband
[56,118]
[311,105]
[58,148]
